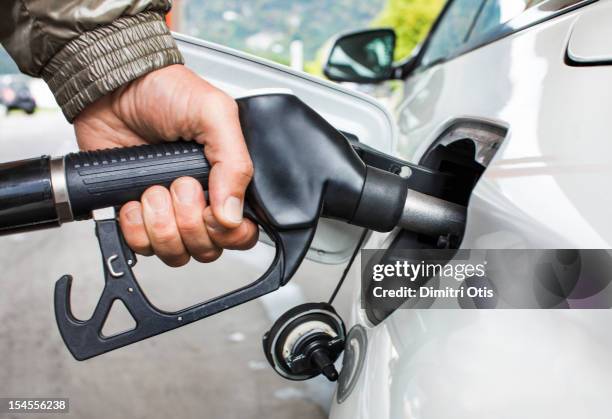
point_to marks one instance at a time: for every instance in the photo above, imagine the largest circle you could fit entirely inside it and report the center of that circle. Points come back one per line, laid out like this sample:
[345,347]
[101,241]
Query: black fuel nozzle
[304,170]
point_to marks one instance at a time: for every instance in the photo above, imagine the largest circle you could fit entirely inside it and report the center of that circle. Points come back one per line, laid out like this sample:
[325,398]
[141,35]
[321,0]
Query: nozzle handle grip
[113,177]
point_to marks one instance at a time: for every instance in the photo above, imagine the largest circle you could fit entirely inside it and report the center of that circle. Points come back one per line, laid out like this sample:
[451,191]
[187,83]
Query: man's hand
[176,224]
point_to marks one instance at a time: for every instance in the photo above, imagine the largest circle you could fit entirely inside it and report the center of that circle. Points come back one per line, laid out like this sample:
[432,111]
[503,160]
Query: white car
[511,100]
[513,96]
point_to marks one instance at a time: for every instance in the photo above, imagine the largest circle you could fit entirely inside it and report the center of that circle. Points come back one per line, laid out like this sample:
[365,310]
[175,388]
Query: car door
[504,86]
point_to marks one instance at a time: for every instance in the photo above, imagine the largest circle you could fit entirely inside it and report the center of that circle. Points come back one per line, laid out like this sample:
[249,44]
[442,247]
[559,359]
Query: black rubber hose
[26,196]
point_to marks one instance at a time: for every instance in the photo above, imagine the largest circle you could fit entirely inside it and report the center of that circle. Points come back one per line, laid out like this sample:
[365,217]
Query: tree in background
[267,27]
[411,20]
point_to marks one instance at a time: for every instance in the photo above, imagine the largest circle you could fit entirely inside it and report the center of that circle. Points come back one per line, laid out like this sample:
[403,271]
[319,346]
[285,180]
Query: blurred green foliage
[411,20]
[312,21]
[315,67]
[233,22]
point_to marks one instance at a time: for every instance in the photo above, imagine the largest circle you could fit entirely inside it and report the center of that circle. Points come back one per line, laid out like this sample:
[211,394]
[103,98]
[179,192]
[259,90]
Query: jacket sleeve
[85,49]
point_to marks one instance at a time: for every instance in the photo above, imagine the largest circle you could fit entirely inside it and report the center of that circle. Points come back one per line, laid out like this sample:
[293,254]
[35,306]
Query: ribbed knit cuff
[104,59]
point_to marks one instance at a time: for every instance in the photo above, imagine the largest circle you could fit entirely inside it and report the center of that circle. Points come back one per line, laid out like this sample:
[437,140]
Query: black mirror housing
[364,56]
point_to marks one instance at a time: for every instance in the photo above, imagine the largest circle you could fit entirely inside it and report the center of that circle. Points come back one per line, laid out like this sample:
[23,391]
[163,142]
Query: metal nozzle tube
[45,192]
[427,214]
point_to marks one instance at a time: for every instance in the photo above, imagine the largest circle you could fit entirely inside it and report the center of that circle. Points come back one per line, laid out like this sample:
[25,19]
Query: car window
[476,22]
[498,12]
[452,31]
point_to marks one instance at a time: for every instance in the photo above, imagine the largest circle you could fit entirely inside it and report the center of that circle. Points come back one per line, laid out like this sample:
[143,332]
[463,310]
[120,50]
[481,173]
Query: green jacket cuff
[104,59]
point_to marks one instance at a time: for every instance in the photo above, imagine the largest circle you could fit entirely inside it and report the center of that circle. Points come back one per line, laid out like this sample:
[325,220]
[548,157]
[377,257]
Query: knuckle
[228,103]
[220,240]
[138,243]
[163,236]
[244,168]
[190,226]
[135,241]
[159,226]
[223,101]
[231,105]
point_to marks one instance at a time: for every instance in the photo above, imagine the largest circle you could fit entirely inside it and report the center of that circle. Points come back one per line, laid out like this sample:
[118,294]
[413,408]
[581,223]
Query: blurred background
[295,33]
[212,368]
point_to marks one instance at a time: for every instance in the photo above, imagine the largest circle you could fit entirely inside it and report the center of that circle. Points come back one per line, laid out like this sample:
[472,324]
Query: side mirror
[362,57]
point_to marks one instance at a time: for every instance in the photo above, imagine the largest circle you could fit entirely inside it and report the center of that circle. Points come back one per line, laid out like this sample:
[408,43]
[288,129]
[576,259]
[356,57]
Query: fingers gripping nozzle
[85,339]
[304,169]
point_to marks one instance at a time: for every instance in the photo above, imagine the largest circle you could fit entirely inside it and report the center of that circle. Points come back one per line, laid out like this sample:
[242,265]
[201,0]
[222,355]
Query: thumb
[232,168]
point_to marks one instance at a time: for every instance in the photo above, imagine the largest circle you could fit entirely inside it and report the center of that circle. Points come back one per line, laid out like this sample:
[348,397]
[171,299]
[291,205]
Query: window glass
[365,55]
[452,31]
[498,12]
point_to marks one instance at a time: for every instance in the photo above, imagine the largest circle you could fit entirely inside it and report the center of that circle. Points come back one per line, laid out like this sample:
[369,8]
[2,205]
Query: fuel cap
[305,342]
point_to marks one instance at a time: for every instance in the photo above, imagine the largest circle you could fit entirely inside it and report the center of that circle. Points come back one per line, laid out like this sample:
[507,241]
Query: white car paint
[547,187]
[590,39]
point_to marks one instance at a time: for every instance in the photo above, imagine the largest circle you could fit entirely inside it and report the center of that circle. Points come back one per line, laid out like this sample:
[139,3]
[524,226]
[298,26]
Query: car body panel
[554,142]
[590,39]
[545,188]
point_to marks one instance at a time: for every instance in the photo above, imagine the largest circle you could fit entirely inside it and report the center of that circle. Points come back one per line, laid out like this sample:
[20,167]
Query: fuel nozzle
[388,201]
[305,169]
